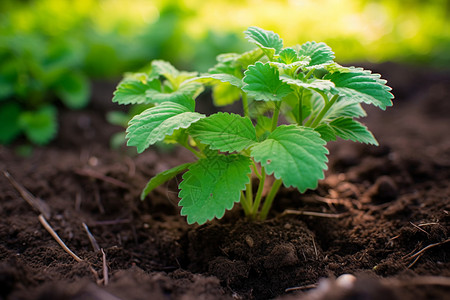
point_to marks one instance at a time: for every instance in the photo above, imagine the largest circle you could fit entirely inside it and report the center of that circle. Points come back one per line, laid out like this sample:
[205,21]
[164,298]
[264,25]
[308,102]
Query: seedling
[317,98]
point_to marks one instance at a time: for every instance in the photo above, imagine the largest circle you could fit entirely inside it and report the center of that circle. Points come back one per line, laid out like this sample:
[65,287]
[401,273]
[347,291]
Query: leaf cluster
[317,99]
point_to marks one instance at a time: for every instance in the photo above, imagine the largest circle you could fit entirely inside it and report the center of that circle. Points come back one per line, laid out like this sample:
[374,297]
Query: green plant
[318,98]
[34,72]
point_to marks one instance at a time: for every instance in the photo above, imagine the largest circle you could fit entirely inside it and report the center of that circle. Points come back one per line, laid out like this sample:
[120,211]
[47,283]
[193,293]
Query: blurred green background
[50,50]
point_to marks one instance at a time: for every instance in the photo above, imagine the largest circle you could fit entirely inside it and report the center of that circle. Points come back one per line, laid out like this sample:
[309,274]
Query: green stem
[276,113]
[255,169]
[195,152]
[268,202]
[245,205]
[259,192]
[249,193]
[245,105]
[324,111]
[309,73]
[300,107]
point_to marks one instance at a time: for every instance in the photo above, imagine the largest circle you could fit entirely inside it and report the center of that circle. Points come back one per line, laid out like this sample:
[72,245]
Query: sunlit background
[113,35]
[52,49]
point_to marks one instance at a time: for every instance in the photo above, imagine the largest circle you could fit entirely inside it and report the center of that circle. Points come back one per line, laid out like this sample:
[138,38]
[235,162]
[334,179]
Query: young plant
[318,98]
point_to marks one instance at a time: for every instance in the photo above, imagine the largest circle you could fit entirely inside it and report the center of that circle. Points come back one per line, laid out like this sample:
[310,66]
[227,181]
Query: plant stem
[309,73]
[245,205]
[245,104]
[259,192]
[255,169]
[324,111]
[195,152]
[276,113]
[268,202]
[249,193]
[300,107]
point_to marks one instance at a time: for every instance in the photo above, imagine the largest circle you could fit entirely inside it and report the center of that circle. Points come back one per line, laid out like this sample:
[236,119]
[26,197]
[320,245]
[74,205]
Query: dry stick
[98,175]
[57,238]
[91,238]
[419,228]
[105,269]
[418,254]
[312,213]
[33,201]
[304,287]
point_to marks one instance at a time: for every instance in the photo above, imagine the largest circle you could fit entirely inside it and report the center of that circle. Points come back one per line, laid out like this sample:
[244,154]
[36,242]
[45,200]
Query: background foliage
[50,50]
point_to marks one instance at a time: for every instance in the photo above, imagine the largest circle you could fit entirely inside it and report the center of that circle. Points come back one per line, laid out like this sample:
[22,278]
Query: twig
[98,200]
[298,288]
[33,201]
[57,238]
[312,213]
[428,247]
[419,228]
[98,175]
[91,238]
[105,269]
[315,249]
[419,253]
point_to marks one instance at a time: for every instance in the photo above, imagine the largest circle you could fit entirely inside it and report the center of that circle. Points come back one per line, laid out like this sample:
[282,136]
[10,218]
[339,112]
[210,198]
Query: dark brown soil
[392,203]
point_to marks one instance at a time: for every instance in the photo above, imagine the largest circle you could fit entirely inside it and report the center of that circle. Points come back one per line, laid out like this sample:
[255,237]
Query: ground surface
[391,202]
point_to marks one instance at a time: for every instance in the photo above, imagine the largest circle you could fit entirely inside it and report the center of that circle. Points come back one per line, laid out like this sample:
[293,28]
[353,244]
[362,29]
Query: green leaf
[163,177]
[349,129]
[212,185]
[320,53]
[315,84]
[267,40]
[326,132]
[220,77]
[295,154]
[184,95]
[132,90]
[263,127]
[225,94]
[288,56]
[362,86]
[263,83]
[225,132]
[73,89]
[155,123]
[250,57]
[39,126]
[9,122]
[175,77]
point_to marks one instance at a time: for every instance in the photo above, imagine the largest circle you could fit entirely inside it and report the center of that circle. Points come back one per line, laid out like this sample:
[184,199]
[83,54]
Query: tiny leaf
[225,132]
[162,177]
[295,154]
[288,56]
[212,185]
[155,123]
[263,83]
[265,39]
[320,53]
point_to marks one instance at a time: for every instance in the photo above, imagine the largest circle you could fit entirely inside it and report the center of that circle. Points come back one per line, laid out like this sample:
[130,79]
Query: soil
[383,216]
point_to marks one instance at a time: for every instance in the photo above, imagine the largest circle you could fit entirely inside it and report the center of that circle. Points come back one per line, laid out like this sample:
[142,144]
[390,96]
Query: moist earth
[381,214]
